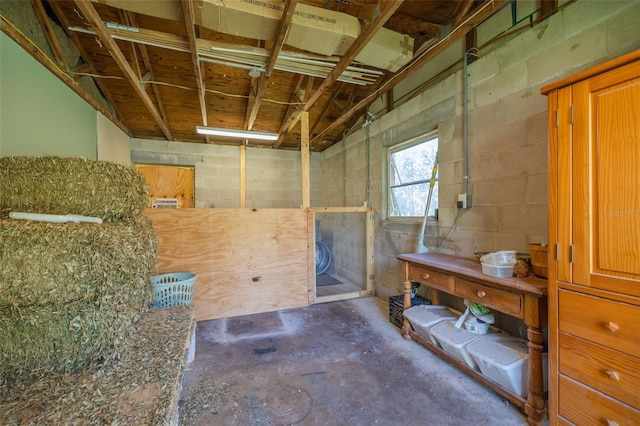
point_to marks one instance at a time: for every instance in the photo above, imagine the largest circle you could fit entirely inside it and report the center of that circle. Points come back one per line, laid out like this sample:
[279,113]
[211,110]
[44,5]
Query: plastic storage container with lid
[506,361]
[454,341]
[425,317]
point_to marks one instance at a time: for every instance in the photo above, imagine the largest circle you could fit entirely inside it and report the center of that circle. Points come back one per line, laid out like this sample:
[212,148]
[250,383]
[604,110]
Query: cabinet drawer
[500,300]
[603,321]
[429,278]
[611,372]
[582,405]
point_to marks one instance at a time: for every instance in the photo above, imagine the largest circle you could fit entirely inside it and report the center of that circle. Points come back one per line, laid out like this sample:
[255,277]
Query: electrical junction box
[464,201]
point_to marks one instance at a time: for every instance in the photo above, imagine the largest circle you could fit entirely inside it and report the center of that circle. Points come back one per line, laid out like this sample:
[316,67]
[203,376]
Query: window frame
[426,137]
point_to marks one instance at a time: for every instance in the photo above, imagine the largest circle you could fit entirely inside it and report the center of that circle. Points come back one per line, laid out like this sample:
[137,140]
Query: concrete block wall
[273,177]
[507,139]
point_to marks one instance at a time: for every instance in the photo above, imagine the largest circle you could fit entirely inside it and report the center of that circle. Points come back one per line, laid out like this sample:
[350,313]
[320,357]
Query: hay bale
[71,185]
[70,294]
[42,340]
[51,264]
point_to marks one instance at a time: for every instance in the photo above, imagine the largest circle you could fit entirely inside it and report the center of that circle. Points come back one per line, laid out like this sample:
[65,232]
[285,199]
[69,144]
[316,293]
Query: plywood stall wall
[246,261]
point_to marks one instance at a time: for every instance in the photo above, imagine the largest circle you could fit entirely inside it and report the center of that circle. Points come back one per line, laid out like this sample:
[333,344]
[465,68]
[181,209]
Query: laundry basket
[172,289]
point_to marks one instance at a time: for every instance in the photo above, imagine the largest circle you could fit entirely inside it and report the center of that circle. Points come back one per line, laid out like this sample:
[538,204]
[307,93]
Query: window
[411,168]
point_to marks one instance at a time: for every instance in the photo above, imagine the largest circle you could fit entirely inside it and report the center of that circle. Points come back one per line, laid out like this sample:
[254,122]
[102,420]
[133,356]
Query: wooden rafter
[92,17]
[49,33]
[461,12]
[189,22]
[283,26]
[87,59]
[387,10]
[325,109]
[484,11]
[149,67]
[19,38]
[293,98]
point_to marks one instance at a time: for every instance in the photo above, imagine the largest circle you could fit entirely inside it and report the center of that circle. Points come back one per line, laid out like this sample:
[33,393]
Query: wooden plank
[388,8]
[243,176]
[15,34]
[480,14]
[170,182]
[304,154]
[246,261]
[97,25]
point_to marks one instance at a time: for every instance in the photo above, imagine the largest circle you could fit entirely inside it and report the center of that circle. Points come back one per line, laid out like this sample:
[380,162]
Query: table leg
[407,304]
[535,407]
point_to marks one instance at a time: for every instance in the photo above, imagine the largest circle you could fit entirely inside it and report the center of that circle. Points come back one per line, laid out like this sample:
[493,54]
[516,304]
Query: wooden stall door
[170,182]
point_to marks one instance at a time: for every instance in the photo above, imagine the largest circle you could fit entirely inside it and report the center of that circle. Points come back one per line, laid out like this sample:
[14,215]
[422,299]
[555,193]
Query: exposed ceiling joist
[387,10]
[461,30]
[283,27]
[96,23]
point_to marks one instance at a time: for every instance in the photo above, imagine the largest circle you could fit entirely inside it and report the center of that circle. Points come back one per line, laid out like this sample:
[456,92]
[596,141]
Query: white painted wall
[113,143]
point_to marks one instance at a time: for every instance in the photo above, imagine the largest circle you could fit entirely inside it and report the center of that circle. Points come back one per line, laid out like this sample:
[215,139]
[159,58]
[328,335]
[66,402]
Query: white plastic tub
[506,362]
[497,271]
[425,317]
[454,342]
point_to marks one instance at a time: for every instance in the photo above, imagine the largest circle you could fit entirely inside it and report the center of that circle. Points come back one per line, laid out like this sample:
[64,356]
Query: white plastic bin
[506,362]
[454,341]
[424,317]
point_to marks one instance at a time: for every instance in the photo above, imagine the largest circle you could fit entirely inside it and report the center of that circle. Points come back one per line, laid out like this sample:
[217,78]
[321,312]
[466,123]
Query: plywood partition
[246,261]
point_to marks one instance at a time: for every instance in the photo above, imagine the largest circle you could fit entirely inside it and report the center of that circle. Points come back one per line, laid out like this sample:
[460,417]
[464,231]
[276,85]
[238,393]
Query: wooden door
[606,181]
[170,182]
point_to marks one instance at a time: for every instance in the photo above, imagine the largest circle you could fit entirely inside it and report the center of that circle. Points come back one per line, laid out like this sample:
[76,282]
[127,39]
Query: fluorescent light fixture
[244,134]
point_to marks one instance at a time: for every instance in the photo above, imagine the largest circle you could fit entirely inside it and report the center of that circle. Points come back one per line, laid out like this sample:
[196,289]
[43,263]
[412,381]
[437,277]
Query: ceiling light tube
[244,134]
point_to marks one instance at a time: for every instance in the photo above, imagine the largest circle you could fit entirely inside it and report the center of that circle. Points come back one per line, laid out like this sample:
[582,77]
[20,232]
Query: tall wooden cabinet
[594,238]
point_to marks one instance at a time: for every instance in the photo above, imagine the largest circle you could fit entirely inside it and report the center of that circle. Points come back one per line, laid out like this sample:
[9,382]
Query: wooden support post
[243,176]
[304,154]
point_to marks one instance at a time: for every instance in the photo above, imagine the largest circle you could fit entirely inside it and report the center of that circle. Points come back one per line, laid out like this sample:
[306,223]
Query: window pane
[410,170]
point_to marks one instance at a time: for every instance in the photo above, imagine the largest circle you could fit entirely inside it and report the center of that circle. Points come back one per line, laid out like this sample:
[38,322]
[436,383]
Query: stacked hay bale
[70,293]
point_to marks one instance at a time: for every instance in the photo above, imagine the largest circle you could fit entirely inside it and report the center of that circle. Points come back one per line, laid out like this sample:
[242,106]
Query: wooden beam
[483,12]
[147,63]
[120,121]
[189,22]
[283,27]
[323,113]
[243,176]
[49,33]
[30,48]
[305,163]
[388,9]
[292,99]
[461,12]
[91,15]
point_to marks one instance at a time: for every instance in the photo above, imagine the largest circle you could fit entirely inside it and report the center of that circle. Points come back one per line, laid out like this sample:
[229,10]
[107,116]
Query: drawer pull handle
[613,375]
[612,423]
[613,327]
[425,276]
[481,293]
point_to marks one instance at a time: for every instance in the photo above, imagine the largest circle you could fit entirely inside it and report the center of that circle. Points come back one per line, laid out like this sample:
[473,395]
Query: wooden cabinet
[594,237]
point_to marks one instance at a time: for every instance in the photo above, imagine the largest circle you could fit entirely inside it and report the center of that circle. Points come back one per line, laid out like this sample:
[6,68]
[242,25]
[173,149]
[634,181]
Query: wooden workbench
[523,298]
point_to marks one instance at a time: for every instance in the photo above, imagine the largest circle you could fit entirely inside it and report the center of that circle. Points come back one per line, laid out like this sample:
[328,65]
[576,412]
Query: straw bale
[71,185]
[52,264]
[41,340]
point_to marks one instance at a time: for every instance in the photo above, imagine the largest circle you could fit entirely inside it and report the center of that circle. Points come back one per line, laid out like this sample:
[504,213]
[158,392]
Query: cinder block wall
[507,139]
[273,177]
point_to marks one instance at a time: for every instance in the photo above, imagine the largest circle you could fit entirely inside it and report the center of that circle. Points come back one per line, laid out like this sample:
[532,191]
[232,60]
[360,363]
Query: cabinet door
[560,190]
[606,181]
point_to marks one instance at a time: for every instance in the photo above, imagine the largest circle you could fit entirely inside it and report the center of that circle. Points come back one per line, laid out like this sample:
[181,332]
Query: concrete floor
[338,363]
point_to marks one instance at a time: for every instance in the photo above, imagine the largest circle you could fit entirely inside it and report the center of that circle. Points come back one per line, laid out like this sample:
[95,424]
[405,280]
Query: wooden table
[524,298]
